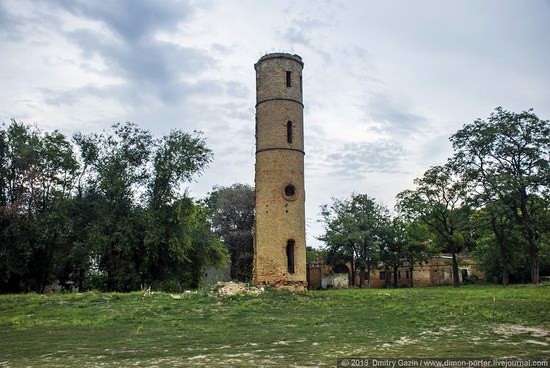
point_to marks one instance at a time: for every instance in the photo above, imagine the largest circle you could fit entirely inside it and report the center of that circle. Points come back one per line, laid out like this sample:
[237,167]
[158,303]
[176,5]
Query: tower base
[292,286]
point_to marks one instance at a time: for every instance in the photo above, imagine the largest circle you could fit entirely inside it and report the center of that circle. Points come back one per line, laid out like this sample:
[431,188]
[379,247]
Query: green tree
[505,160]
[115,219]
[232,215]
[180,249]
[118,163]
[153,236]
[174,235]
[438,201]
[405,243]
[391,251]
[500,248]
[354,229]
[418,248]
[18,146]
[37,173]
[178,158]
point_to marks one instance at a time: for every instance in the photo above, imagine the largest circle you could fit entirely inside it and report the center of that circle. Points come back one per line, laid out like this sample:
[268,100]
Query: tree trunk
[500,237]
[534,263]
[504,261]
[525,220]
[411,269]
[368,275]
[395,279]
[80,280]
[362,276]
[505,275]
[456,280]
[352,272]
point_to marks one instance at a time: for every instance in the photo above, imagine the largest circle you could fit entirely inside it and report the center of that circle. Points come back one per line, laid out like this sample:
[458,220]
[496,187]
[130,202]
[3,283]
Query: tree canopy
[490,200]
[505,161]
[232,215]
[106,211]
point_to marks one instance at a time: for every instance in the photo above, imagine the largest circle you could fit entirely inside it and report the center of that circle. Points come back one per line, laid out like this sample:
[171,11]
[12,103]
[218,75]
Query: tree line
[490,200]
[102,210]
[110,211]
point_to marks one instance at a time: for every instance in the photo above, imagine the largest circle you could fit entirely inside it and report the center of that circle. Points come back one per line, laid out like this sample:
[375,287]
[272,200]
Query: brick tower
[279,235]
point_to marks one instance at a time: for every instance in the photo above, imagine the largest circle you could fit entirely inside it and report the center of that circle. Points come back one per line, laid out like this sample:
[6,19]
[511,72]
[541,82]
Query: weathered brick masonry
[279,233]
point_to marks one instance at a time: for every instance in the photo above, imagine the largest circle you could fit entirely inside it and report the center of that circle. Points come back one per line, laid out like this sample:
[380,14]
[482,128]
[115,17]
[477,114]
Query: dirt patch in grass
[511,330]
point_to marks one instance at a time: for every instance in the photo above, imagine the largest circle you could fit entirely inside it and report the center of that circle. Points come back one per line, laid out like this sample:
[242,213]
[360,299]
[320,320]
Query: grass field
[273,329]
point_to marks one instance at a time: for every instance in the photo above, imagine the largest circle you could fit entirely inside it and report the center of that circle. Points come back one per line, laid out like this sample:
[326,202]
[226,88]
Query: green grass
[273,329]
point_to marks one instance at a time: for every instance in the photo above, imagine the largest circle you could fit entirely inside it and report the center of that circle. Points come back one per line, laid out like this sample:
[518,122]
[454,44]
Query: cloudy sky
[385,82]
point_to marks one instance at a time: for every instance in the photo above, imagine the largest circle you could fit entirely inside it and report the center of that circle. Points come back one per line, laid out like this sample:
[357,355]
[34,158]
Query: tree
[18,146]
[155,236]
[500,249]
[438,202]
[180,250]
[412,243]
[232,215]
[505,159]
[391,251]
[499,229]
[178,245]
[178,158]
[354,229]
[118,163]
[114,219]
[37,172]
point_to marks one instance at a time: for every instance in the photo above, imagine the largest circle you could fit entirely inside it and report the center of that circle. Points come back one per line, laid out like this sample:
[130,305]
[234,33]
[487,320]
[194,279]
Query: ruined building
[279,234]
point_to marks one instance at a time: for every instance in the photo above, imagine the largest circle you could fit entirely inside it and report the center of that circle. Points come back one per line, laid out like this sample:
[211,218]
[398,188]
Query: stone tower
[279,235]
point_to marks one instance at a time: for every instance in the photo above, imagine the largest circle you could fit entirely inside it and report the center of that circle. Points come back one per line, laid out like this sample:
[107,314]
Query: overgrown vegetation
[274,328]
[232,215]
[491,200]
[106,211]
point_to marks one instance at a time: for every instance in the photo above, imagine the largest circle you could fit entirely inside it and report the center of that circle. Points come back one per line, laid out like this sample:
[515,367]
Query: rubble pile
[236,288]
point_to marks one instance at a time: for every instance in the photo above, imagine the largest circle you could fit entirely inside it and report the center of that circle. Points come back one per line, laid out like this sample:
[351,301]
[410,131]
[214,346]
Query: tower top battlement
[280,55]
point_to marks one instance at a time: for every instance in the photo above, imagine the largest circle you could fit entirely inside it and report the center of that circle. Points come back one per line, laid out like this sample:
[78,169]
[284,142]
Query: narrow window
[382,275]
[407,274]
[290,255]
[288,79]
[289,132]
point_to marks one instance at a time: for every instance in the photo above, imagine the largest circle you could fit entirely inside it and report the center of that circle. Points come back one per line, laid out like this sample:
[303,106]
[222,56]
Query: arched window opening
[289,78]
[289,132]
[290,255]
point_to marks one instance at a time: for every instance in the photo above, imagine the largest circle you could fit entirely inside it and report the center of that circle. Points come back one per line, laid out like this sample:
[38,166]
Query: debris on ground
[184,294]
[147,291]
[236,288]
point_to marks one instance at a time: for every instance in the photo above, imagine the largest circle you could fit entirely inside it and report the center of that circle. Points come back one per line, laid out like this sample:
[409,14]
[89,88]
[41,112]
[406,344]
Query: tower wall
[280,194]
